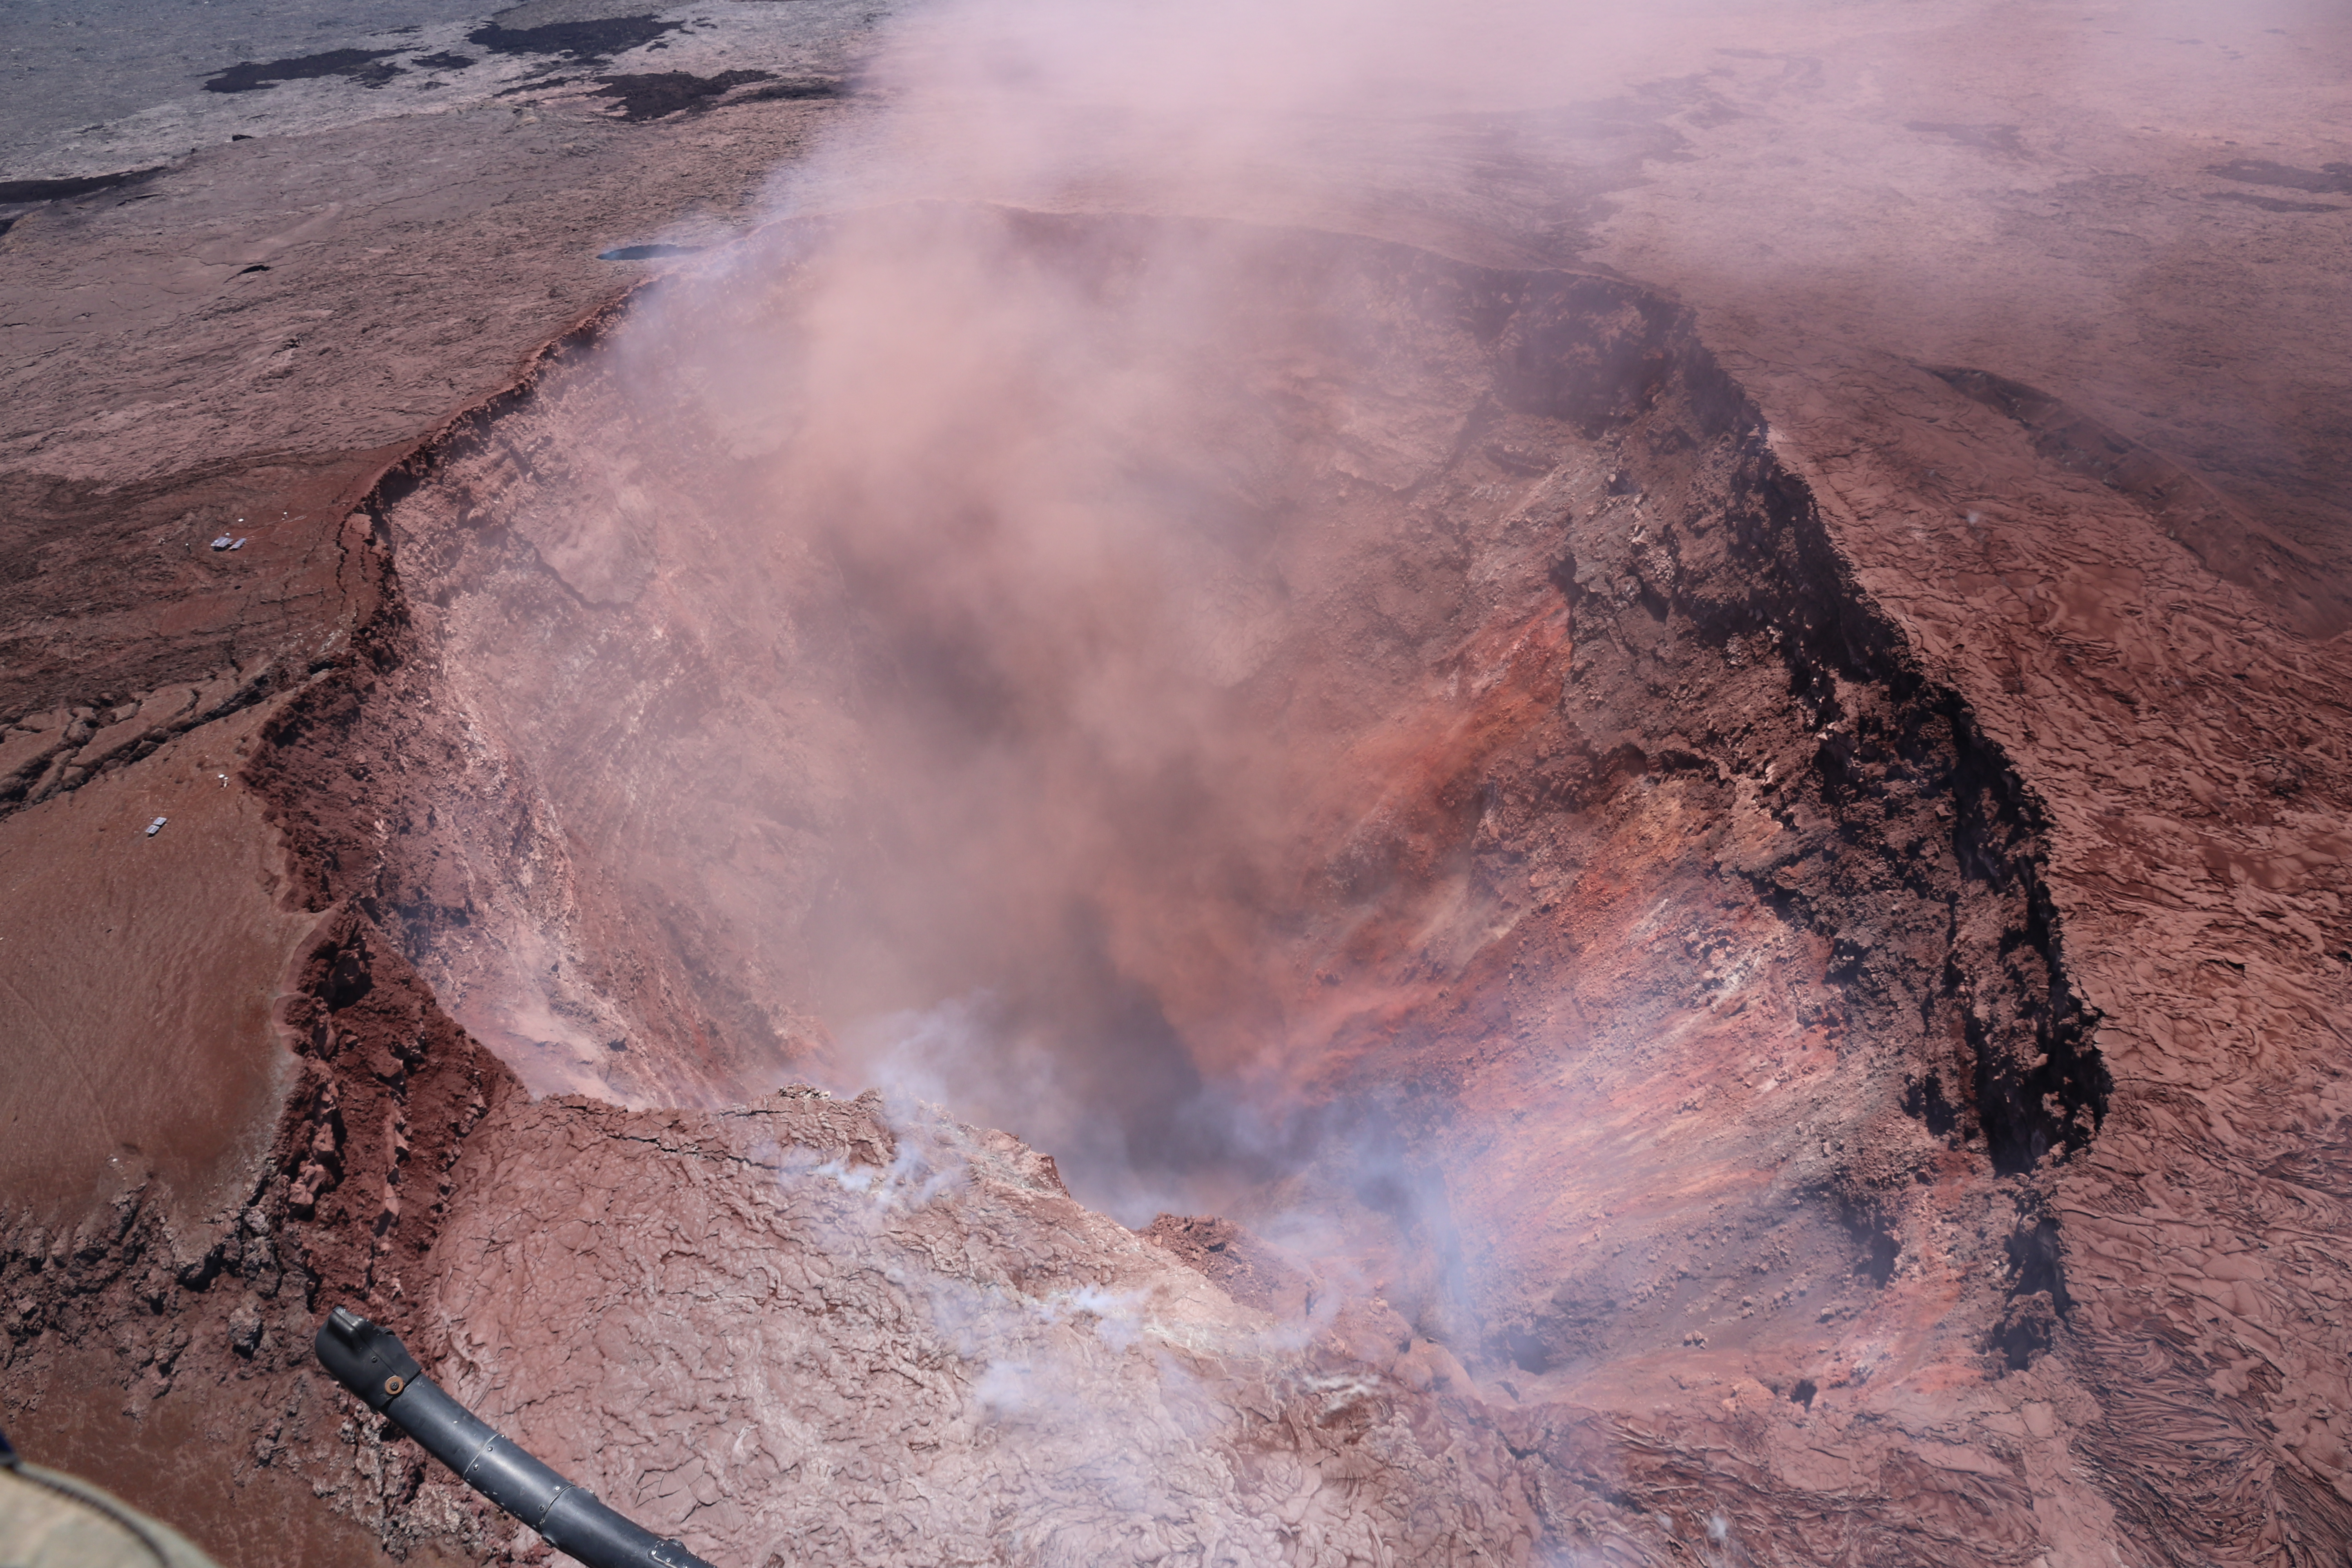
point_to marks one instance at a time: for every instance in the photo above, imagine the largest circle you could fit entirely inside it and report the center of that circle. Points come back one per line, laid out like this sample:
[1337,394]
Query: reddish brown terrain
[1625,770]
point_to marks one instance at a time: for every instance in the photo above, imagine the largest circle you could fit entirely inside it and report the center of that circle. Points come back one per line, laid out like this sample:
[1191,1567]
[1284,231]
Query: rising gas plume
[1075,622]
[1078,665]
[1158,720]
[1148,710]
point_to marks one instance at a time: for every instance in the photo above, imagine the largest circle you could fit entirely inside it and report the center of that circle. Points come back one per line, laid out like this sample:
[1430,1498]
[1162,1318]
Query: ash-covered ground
[1618,747]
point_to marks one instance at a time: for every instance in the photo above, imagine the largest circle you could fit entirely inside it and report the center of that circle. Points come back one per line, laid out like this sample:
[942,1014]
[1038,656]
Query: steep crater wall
[1431,774]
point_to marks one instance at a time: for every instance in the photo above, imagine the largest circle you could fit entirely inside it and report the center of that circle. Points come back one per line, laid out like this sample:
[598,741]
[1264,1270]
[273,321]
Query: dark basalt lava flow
[1381,749]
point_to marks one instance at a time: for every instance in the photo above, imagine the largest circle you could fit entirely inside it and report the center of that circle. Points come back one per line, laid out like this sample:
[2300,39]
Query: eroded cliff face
[1392,751]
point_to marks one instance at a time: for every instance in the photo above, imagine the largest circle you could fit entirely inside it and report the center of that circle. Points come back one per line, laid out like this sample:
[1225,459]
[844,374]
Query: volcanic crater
[1376,748]
[1623,838]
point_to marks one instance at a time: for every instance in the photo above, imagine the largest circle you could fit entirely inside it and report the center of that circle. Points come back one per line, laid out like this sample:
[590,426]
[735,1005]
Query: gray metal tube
[371,1361]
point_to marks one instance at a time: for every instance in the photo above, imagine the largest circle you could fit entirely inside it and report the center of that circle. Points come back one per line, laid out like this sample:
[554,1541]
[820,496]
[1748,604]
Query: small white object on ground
[156,826]
[222,542]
